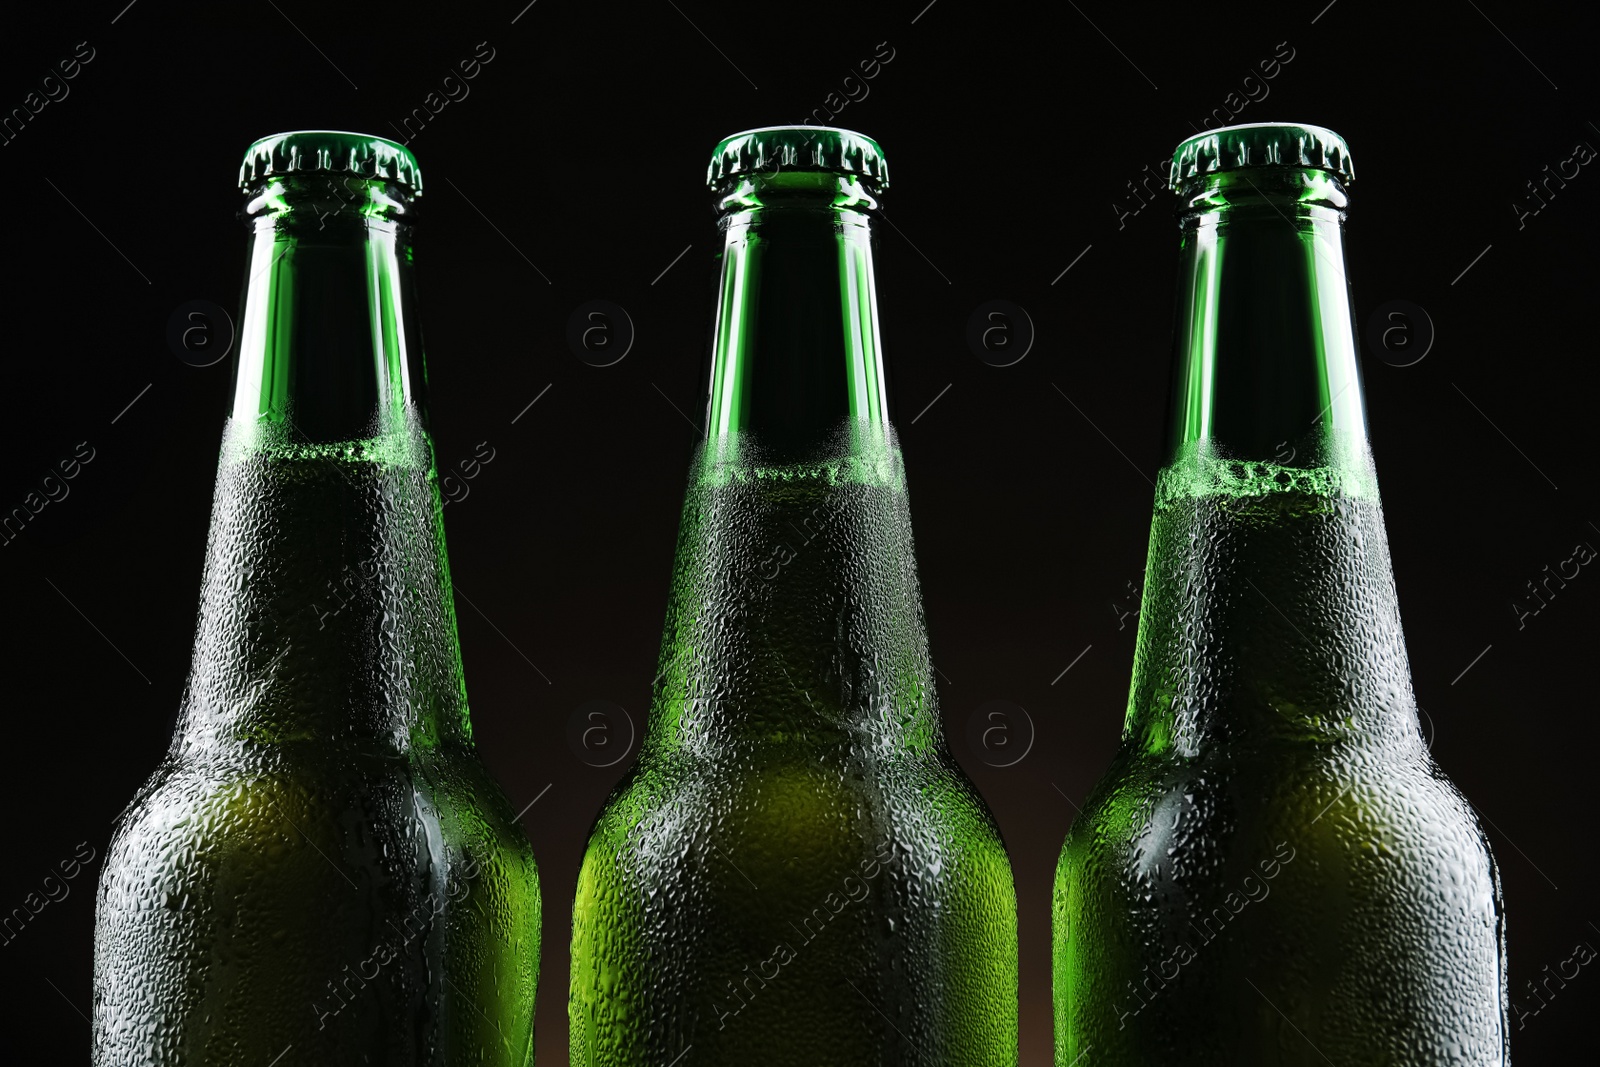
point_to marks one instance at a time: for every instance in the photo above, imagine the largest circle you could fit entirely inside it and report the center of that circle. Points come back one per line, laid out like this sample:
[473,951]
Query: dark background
[1012,130]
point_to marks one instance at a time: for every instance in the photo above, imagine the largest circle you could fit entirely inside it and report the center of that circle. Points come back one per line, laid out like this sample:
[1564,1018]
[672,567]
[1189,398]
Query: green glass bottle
[321,869]
[796,871]
[1273,871]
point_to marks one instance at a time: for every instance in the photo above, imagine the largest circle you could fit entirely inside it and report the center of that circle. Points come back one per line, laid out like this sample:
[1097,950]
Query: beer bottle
[1273,871]
[321,869]
[796,870]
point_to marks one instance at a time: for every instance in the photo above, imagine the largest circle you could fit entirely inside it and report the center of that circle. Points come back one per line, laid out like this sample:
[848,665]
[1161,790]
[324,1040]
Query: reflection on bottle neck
[328,344]
[325,608]
[326,613]
[795,625]
[1265,366]
[1269,615]
[796,347]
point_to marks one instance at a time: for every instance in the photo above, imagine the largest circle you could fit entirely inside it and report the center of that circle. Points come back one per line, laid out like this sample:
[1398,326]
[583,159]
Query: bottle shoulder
[828,769]
[916,803]
[1353,800]
[243,804]
[1323,880]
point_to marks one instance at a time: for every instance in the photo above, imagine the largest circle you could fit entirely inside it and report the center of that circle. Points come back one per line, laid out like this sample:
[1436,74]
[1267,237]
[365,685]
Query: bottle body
[795,870]
[815,890]
[1274,871]
[321,862]
[1299,889]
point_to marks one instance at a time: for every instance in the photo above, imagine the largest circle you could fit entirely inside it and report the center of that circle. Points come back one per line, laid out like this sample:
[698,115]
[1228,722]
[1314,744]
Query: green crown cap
[334,152]
[1261,144]
[799,148]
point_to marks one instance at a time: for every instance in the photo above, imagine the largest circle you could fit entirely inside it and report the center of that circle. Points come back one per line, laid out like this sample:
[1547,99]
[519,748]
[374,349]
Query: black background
[1012,130]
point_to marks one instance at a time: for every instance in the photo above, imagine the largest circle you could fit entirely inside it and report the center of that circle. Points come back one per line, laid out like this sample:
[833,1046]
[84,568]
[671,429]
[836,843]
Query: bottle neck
[325,609]
[328,343]
[1265,365]
[1269,611]
[796,349]
[795,628]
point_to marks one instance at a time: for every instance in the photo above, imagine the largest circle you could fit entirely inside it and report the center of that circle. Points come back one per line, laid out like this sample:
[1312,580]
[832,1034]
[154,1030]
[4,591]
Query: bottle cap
[799,148]
[333,152]
[1261,144]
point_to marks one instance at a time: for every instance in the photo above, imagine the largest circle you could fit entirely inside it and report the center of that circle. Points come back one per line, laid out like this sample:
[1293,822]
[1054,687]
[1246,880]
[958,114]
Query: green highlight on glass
[321,863]
[1273,870]
[796,870]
